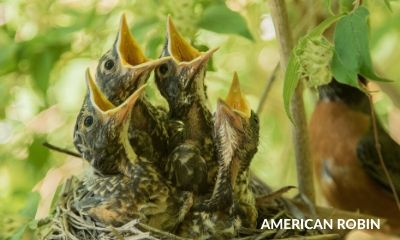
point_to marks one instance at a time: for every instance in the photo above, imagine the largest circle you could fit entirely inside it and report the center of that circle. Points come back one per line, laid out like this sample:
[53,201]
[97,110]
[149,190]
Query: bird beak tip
[236,98]
[127,48]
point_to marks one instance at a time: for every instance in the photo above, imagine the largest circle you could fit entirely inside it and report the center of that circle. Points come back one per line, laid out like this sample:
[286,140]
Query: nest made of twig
[66,223]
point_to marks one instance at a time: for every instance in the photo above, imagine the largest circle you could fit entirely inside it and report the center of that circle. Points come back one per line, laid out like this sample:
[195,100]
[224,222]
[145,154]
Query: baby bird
[232,203]
[237,135]
[123,186]
[191,163]
[120,72]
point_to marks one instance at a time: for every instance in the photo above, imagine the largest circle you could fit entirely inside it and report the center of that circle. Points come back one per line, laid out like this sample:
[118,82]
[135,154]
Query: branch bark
[300,133]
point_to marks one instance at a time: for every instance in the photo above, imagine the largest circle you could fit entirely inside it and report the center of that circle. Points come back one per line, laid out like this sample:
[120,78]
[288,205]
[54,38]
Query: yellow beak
[98,99]
[178,47]
[236,100]
[128,49]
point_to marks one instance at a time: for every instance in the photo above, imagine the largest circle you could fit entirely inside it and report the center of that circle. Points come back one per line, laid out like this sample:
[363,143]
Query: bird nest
[66,223]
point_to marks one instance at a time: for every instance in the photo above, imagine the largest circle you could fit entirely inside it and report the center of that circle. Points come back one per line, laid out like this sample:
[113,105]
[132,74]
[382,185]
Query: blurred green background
[46,45]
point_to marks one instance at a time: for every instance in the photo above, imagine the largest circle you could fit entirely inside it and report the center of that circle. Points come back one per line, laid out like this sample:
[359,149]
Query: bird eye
[88,121]
[109,64]
[256,119]
[163,69]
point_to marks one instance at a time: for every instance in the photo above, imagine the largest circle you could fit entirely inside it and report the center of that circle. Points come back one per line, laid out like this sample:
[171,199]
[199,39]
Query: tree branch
[300,133]
[61,150]
[267,89]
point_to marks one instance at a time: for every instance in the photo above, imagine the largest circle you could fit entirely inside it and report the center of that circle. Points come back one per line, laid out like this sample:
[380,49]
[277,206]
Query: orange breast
[335,131]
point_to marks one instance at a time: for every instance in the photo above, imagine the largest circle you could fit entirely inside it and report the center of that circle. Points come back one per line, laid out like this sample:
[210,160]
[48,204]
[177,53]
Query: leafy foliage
[352,56]
[308,60]
[219,18]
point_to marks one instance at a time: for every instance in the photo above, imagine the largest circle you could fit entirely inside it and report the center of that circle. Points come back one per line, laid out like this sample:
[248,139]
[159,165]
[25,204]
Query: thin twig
[156,231]
[333,213]
[315,237]
[300,133]
[61,150]
[267,89]
[379,150]
[274,195]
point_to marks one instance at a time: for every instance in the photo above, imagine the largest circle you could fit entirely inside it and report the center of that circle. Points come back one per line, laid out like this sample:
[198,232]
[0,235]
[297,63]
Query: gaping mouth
[104,108]
[128,49]
[236,100]
[181,51]
[178,47]
[132,58]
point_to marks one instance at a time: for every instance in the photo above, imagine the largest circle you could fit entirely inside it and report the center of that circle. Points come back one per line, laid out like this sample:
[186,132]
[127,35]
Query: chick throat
[228,140]
[130,154]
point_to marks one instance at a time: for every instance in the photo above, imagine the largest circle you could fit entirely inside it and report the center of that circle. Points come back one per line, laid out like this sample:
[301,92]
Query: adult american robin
[121,71]
[345,157]
[191,163]
[124,186]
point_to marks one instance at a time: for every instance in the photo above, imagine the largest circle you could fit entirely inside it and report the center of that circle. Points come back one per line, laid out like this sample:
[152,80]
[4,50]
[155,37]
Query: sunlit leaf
[346,5]
[153,47]
[352,55]
[42,63]
[387,3]
[220,19]
[292,77]
[38,154]
[28,212]
[8,61]
[300,55]
[18,235]
[30,208]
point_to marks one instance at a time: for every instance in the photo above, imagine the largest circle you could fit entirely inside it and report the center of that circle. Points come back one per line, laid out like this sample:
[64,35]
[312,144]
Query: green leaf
[387,3]
[154,45]
[42,62]
[320,29]
[8,61]
[346,5]
[19,233]
[220,19]
[29,211]
[351,55]
[292,77]
[294,68]
[38,154]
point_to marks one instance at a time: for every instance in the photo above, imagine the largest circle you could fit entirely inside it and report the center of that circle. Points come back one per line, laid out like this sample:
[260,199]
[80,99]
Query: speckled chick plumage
[192,161]
[232,203]
[122,186]
[120,72]
[237,135]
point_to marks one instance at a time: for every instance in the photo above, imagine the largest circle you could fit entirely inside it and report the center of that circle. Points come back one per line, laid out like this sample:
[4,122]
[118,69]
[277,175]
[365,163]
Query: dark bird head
[181,79]
[351,96]
[124,68]
[236,129]
[101,130]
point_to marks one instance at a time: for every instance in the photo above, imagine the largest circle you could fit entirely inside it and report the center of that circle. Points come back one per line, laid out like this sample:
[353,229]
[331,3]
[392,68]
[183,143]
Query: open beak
[236,99]
[98,99]
[121,112]
[178,47]
[127,48]
[149,66]
[181,51]
[202,60]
